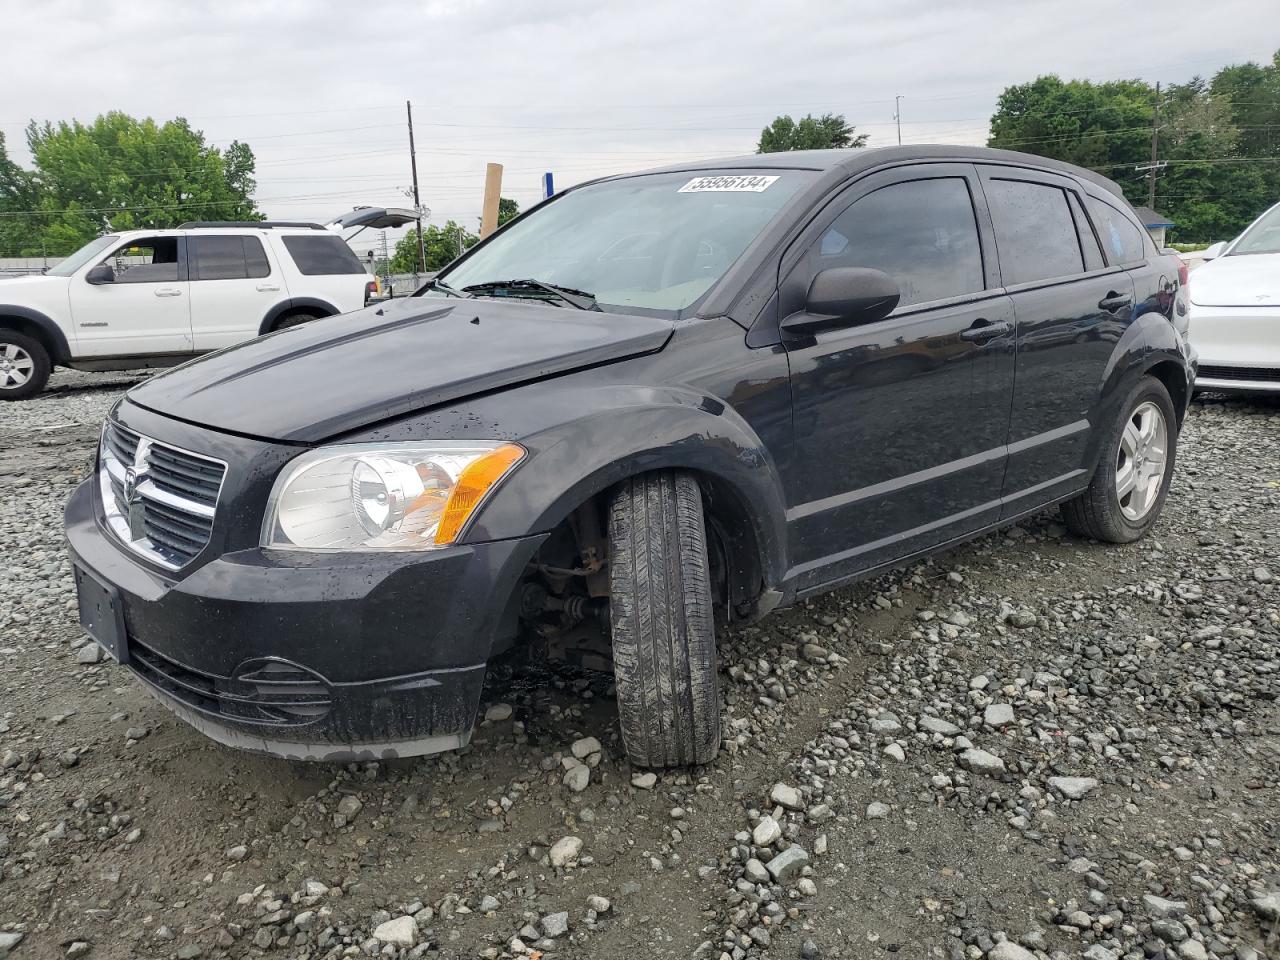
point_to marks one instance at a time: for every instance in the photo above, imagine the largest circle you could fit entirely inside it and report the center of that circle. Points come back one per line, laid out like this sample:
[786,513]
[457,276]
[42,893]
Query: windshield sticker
[741,184]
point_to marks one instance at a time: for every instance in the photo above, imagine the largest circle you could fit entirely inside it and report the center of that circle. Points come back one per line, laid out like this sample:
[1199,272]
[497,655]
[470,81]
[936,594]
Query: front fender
[623,430]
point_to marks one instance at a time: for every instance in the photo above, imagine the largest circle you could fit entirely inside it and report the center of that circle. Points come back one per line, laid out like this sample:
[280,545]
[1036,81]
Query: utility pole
[897,115]
[1155,137]
[417,201]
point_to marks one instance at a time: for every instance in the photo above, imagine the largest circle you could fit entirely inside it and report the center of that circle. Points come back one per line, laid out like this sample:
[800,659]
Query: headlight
[411,496]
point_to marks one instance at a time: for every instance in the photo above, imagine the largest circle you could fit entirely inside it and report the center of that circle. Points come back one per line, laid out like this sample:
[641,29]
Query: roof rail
[250,224]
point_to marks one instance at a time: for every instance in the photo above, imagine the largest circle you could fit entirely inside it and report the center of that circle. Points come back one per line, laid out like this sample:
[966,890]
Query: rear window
[1121,237]
[322,255]
[1035,234]
[233,257]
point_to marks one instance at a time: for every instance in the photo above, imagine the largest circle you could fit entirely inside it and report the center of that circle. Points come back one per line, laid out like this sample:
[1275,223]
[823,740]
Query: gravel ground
[1031,746]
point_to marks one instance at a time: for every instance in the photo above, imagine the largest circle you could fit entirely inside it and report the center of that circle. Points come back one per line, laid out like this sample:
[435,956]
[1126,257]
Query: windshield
[1263,236]
[82,256]
[654,243]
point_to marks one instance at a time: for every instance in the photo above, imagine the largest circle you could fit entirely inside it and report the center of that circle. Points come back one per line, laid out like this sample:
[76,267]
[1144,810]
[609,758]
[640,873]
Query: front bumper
[1239,348]
[314,656]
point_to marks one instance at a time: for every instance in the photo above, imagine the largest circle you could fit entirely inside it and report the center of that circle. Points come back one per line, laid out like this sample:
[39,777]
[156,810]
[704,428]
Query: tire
[660,611]
[24,366]
[1103,511]
[294,320]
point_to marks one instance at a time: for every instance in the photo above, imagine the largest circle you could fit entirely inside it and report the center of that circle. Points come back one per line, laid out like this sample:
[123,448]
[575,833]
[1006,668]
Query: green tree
[17,196]
[120,173]
[827,132]
[508,209]
[442,246]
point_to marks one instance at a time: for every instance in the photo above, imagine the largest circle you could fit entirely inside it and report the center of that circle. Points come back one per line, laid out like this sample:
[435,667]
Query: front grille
[1270,374]
[267,692]
[160,500]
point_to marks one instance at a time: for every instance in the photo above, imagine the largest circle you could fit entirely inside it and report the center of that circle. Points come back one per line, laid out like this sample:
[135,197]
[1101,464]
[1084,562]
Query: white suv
[153,298]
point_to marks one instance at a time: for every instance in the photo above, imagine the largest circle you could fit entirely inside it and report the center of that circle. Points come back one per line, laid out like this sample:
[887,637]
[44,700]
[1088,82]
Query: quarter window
[1035,234]
[921,232]
[1121,237]
[228,258]
[150,260]
[322,255]
[1088,242]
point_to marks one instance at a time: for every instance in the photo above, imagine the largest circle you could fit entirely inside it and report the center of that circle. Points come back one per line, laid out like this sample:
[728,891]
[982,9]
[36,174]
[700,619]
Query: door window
[228,258]
[921,232]
[1035,234]
[149,260]
[1088,242]
[1121,237]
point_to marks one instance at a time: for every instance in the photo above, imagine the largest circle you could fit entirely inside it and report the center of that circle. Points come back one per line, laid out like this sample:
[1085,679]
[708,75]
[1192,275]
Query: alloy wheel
[16,366]
[1141,461]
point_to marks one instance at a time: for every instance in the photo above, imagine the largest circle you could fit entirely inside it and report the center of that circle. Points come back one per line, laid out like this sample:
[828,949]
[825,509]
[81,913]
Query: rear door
[900,424]
[234,285]
[145,311]
[1072,307]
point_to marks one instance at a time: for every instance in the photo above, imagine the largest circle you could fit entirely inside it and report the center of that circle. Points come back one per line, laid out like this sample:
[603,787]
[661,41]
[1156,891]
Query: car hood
[11,287]
[1247,280]
[312,382]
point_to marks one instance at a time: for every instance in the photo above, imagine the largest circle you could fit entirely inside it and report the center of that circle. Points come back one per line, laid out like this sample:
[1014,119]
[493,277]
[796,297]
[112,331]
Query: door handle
[268,287]
[168,292]
[983,330]
[1114,301]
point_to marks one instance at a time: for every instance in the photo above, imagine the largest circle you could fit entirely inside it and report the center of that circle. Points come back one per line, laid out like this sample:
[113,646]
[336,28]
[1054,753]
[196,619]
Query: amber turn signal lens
[473,484]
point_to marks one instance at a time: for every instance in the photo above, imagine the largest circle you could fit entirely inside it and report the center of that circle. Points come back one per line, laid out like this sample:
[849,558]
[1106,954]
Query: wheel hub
[1141,461]
[15,366]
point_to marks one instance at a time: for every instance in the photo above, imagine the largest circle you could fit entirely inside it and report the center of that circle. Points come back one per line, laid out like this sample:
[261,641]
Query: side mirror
[102,273]
[845,297]
[1215,251]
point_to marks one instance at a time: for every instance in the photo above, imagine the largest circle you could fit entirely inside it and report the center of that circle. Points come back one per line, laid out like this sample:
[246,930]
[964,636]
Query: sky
[582,88]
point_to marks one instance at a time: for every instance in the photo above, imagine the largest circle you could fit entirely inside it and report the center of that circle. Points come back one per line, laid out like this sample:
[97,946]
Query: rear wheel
[24,366]
[660,610]
[1129,487]
[294,320]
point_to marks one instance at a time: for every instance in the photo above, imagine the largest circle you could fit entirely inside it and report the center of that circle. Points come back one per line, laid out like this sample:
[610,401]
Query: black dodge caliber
[650,406]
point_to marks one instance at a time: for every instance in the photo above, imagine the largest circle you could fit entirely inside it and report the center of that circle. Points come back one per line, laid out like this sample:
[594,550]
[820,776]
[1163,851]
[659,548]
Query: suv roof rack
[250,224]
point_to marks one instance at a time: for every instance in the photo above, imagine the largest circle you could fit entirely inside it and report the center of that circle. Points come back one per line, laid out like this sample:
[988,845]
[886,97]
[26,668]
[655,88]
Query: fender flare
[50,332]
[667,428]
[323,307]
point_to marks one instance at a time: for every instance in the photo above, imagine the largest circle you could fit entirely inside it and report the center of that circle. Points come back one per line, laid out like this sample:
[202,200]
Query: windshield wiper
[578,299]
[443,287]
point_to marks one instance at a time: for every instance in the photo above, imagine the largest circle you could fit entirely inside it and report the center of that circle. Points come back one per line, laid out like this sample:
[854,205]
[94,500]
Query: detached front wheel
[660,611]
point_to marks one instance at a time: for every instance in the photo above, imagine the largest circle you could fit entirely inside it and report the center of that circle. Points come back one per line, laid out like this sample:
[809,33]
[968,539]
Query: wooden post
[492,194]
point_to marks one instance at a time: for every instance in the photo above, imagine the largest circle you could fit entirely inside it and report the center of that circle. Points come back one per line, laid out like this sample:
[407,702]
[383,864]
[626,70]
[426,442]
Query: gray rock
[78,948]
[894,751]
[556,924]
[1008,950]
[886,723]
[877,810]
[1170,931]
[348,808]
[786,796]
[1097,951]
[937,725]
[136,733]
[755,871]
[498,713]
[585,747]
[565,851]
[237,853]
[489,903]
[577,777]
[766,832]
[788,863]
[8,941]
[1193,950]
[400,932]
[599,904]
[980,761]
[1159,907]
[644,781]
[90,653]
[1074,788]
[998,715]
[1267,906]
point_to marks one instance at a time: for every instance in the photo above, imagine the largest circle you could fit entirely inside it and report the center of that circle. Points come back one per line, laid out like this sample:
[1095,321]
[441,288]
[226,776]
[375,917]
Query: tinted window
[1035,234]
[322,254]
[227,258]
[1121,237]
[922,233]
[1088,242]
[152,260]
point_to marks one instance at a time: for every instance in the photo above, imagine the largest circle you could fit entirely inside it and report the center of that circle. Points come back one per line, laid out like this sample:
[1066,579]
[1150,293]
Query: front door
[900,424]
[144,311]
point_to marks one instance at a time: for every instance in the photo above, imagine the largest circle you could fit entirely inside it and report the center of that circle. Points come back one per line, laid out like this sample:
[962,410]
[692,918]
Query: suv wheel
[24,366]
[293,320]
[1132,480]
[664,647]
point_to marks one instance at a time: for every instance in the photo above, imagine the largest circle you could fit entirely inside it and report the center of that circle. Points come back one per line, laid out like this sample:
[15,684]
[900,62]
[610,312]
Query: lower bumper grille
[1264,374]
[270,693]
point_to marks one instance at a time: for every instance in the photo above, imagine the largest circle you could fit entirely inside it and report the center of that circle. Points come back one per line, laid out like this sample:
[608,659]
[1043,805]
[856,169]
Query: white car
[1235,310]
[153,298]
